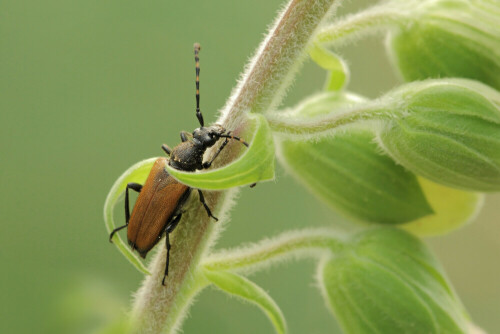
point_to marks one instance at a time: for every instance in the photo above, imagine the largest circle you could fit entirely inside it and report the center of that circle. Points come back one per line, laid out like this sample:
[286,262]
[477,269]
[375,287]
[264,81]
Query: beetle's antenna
[197,48]
[236,138]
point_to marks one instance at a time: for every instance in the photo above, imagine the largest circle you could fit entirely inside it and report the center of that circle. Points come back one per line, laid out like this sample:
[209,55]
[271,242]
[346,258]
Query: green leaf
[137,173]
[453,208]
[447,131]
[387,281]
[247,290]
[338,76]
[256,164]
[448,39]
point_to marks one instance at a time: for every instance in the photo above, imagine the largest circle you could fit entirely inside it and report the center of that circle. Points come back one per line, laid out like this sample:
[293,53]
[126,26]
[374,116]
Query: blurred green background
[87,88]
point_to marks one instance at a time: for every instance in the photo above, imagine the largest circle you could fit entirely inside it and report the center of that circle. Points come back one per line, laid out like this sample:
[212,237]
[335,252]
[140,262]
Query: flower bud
[347,171]
[447,131]
[443,38]
[386,281]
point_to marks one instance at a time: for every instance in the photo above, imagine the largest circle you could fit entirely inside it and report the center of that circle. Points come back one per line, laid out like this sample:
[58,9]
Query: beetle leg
[167,149]
[168,259]
[209,163]
[169,229]
[184,136]
[202,200]
[116,230]
[137,187]
[173,223]
[134,186]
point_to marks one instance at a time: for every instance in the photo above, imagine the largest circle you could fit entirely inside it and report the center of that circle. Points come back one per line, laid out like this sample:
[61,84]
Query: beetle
[158,208]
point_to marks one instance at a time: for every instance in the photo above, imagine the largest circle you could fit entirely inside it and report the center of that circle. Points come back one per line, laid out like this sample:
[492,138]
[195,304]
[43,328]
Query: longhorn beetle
[158,208]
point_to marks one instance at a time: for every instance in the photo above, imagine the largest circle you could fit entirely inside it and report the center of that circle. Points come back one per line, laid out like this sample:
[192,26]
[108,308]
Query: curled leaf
[387,281]
[338,72]
[242,287]
[138,173]
[256,164]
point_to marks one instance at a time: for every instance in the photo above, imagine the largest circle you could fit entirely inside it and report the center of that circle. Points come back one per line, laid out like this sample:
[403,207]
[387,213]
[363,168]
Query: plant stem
[159,309]
[353,27]
[277,59]
[297,243]
[290,126]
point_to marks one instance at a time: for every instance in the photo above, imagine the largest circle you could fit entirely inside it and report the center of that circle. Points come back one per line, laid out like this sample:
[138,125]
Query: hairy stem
[370,21]
[159,309]
[297,243]
[291,126]
[277,59]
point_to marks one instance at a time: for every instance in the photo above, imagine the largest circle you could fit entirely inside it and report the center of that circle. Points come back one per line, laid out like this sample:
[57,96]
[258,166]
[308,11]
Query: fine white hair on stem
[262,88]
[289,245]
[374,20]
[159,309]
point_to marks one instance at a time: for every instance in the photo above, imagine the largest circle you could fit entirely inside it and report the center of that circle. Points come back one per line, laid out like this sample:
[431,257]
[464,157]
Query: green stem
[280,123]
[278,58]
[298,243]
[159,309]
[353,27]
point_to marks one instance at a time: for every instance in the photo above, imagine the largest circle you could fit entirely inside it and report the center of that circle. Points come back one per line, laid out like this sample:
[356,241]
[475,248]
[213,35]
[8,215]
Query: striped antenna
[228,135]
[197,48]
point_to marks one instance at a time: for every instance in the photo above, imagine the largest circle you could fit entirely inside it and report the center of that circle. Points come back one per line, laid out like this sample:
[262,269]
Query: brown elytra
[160,199]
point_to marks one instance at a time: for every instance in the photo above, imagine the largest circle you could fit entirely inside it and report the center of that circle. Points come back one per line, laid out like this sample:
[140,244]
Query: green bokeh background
[87,88]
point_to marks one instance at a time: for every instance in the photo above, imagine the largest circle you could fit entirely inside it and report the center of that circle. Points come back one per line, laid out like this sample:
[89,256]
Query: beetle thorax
[187,156]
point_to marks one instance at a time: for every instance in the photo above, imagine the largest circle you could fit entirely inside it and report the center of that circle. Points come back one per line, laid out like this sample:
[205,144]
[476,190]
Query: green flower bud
[453,208]
[387,281]
[444,38]
[348,172]
[447,131]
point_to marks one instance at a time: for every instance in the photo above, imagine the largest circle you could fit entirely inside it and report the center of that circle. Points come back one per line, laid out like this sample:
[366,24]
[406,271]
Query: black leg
[173,224]
[170,228]
[134,186]
[167,263]
[209,163]
[185,136]
[202,200]
[167,149]
[116,230]
[253,185]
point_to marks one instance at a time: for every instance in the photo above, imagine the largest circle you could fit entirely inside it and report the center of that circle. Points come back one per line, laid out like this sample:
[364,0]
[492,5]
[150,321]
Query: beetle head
[208,136]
